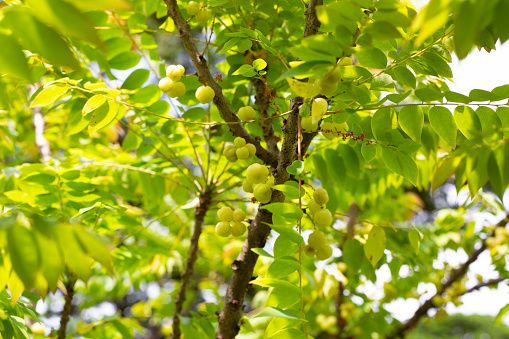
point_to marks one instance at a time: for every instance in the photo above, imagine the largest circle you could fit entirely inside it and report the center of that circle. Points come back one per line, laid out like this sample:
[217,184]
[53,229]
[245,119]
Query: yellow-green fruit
[38,328]
[323,252]
[270,181]
[178,90]
[257,173]
[175,72]
[166,84]
[230,153]
[238,228]
[313,207]
[225,213]
[246,113]
[193,8]
[328,130]
[327,87]
[334,74]
[252,149]
[223,229]
[323,218]
[308,125]
[321,196]
[242,153]
[262,193]
[345,61]
[203,16]
[247,186]
[318,108]
[239,215]
[317,239]
[310,251]
[205,94]
[342,267]
[239,142]
[341,127]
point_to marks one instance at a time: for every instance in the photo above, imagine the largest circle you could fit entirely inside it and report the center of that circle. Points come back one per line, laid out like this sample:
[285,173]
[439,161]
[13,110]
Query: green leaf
[289,191]
[52,261]
[382,82]
[24,253]
[276,312]
[131,142]
[125,60]
[502,314]
[383,120]
[38,38]
[415,237]
[467,121]
[375,245]
[292,333]
[282,267]
[136,79]
[411,120]
[95,248]
[245,70]
[269,282]
[496,176]
[302,69]
[12,59]
[438,64]
[457,97]
[147,96]
[93,103]
[368,152]
[370,57]
[263,253]
[428,94]
[229,44]
[381,30]
[405,76]
[501,92]
[445,170]
[443,123]
[281,297]
[65,18]
[401,164]
[259,64]
[503,115]
[103,116]
[296,167]
[50,94]
[73,252]
[289,233]
[482,95]
[284,209]
[489,122]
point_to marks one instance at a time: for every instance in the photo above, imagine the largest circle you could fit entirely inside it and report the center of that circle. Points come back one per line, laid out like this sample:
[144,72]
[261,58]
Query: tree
[322,129]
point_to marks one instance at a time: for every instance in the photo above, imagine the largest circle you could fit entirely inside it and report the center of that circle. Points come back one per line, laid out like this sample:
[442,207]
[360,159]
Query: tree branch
[263,103]
[201,210]
[484,284]
[66,312]
[203,71]
[455,275]
[243,266]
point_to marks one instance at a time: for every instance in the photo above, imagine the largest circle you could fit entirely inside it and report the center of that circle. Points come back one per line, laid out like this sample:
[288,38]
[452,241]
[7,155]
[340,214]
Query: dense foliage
[249,169]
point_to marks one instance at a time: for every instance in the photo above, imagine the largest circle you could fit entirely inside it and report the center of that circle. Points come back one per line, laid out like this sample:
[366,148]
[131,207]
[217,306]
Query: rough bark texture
[66,312]
[202,69]
[263,104]
[454,276]
[199,215]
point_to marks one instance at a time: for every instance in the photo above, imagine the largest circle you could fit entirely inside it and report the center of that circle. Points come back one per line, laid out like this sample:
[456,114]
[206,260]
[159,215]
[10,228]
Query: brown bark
[263,104]
[199,215]
[66,312]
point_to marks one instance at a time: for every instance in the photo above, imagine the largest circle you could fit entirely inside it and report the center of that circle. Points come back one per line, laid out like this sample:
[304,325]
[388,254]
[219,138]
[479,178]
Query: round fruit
[246,113]
[242,153]
[193,8]
[257,173]
[262,193]
[313,207]
[310,251]
[319,107]
[317,239]
[175,72]
[238,228]
[205,94]
[341,127]
[230,152]
[323,252]
[166,84]
[345,61]
[239,215]
[178,90]
[270,181]
[342,267]
[328,87]
[308,125]
[223,229]
[252,149]
[38,328]
[247,186]
[323,218]
[321,196]
[203,16]
[329,130]
[334,74]
[225,213]
[239,142]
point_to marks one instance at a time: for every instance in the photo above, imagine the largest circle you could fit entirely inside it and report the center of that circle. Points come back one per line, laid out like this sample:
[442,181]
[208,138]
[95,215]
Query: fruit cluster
[246,113]
[259,183]
[202,14]
[239,150]
[230,222]
[318,109]
[170,85]
[317,244]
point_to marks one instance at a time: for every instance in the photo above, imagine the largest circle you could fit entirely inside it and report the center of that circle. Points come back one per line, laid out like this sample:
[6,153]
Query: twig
[66,312]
